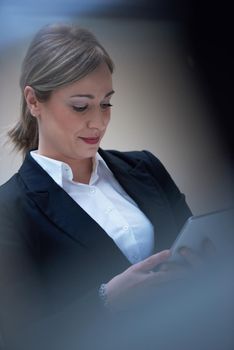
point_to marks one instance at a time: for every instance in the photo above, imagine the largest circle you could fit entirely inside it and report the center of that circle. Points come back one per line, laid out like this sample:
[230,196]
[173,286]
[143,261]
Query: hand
[131,285]
[191,262]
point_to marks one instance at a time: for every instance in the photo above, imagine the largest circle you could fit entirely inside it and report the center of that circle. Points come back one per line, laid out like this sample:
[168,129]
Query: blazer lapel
[66,214]
[138,182]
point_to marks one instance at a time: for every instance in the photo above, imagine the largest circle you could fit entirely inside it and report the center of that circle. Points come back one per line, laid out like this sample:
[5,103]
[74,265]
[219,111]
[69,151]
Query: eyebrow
[92,96]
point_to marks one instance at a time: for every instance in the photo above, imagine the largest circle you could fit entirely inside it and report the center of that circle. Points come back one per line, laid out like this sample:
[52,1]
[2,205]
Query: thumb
[153,260]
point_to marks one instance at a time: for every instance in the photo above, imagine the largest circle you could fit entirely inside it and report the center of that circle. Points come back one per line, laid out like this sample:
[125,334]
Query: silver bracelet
[103,294]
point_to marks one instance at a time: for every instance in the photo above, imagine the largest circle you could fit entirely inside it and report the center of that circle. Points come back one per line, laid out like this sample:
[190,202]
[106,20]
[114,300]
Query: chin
[91,153]
[93,149]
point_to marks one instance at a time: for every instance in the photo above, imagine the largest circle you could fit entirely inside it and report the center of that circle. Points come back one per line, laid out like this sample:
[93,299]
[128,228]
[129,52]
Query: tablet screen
[217,226]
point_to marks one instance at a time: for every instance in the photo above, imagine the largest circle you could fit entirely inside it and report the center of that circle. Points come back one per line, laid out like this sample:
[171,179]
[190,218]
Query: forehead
[97,83]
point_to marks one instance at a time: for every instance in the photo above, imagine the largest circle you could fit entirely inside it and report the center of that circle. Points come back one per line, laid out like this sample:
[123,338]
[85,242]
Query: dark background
[208,31]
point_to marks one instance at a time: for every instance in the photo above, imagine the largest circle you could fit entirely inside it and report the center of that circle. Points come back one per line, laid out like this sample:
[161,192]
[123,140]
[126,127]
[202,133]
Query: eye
[106,105]
[80,108]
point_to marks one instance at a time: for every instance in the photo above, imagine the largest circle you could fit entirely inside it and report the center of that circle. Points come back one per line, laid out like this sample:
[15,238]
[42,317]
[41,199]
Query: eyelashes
[79,109]
[106,105]
[103,106]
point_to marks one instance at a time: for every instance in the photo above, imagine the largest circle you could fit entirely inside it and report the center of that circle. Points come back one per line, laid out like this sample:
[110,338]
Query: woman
[81,228]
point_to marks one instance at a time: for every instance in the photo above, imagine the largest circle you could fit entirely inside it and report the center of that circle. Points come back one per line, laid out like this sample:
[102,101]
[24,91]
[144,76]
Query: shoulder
[138,155]
[9,187]
[13,218]
[11,193]
[145,161]
[134,158]
[130,157]
[9,197]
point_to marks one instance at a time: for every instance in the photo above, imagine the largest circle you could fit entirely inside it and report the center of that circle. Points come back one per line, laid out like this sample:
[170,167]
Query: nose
[99,120]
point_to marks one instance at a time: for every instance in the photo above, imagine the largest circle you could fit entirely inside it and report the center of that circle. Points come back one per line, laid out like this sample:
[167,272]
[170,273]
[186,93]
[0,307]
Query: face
[74,120]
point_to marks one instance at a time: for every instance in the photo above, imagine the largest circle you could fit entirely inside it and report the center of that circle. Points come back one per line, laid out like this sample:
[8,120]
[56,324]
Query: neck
[81,168]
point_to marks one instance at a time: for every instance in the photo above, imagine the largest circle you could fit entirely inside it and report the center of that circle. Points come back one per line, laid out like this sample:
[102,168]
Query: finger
[162,277]
[151,262]
[190,257]
[170,266]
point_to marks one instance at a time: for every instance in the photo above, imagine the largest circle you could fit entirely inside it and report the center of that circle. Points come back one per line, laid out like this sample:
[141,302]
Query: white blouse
[106,202]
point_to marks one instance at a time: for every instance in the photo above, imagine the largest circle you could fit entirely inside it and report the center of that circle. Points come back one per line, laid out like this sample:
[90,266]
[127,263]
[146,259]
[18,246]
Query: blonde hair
[58,55]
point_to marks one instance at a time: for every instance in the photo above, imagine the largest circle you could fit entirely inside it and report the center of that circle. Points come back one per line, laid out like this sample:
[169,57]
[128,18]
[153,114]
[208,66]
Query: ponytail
[24,134]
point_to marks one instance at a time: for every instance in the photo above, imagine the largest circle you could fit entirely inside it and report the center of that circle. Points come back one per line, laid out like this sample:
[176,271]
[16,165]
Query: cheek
[68,122]
[107,118]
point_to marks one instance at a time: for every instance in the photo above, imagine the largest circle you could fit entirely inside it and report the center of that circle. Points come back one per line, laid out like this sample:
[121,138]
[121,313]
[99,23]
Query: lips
[90,140]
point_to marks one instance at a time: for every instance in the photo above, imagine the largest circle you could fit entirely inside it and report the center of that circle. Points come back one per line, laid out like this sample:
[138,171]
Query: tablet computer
[218,226]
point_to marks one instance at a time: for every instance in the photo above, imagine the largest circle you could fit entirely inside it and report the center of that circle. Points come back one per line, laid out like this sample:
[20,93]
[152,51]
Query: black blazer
[54,253]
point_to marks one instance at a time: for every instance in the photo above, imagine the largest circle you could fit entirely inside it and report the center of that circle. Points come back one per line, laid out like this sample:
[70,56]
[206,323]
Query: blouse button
[92,190]
[125,227]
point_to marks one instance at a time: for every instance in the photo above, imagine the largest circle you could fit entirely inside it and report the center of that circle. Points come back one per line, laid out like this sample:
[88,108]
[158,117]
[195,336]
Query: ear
[32,101]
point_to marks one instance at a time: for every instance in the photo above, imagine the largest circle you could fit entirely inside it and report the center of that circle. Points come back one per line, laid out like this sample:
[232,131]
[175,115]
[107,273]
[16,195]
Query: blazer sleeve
[175,198]
[27,320]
